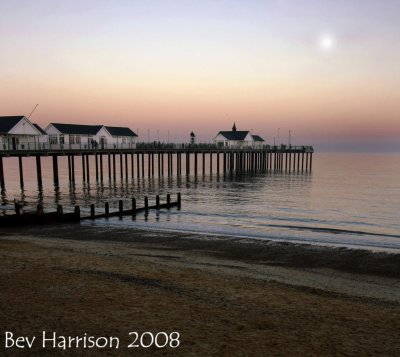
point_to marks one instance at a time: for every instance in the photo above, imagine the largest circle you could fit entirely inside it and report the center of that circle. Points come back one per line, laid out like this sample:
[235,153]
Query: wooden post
[158,202]
[69,168]
[195,163]
[148,164]
[307,162]
[294,161]
[101,168]
[121,166]
[162,164]
[55,169]
[137,165]
[126,166]
[17,208]
[60,210]
[107,209]
[39,210]
[169,164]
[152,164]
[38,171]
[178,164]
[83,168]
[298,161]
[132,166]
[134,205]
[2,183]
[121,207]
[21,172]
[114,168]
[211,162]
[302,161]
[179,200]
[73,168]
[87,169]
[159,164]
[188,163]
[217,162]
[172,163]
[142,164]
[77,212]
[146,203]
[224,163]
[311,160]
[92,211]
[97,167]
[168,200]
[109,166]
[204,163]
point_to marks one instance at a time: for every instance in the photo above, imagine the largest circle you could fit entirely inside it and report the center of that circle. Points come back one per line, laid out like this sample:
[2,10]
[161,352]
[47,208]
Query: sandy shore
[226,297]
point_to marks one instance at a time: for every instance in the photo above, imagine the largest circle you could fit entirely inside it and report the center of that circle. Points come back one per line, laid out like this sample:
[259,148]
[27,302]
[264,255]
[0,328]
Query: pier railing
[145,146]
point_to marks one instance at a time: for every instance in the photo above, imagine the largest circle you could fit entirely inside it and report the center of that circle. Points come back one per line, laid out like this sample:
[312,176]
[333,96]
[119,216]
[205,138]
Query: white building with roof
[79,136]
[19,133]
[238,139]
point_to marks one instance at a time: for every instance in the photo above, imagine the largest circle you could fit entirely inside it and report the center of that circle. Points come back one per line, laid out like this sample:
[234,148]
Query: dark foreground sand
[226,297]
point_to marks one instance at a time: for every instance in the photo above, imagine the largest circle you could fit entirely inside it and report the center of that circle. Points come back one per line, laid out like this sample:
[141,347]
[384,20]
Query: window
[123,140]
[53,139]
[72,139]
[77,139]
[62,139]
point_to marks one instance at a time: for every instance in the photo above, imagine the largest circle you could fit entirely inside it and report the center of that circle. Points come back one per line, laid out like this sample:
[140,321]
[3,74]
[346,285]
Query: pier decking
[160,159]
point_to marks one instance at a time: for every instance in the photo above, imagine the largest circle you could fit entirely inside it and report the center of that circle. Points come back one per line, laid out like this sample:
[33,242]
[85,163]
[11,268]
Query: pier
[163,160]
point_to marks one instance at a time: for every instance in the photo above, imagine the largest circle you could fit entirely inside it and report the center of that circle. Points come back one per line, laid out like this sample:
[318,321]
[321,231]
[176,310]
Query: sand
[225,296]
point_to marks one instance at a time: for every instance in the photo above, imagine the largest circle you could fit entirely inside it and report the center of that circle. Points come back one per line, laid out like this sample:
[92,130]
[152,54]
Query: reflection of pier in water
[154,162]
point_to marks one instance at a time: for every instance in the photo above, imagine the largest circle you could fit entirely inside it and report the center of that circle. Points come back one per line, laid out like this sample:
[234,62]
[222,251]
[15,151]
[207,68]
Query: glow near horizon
[186,65]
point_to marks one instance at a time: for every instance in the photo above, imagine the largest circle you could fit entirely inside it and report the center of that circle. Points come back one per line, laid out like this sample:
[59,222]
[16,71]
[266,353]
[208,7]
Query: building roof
[234,135]
[8,122]
[77,128]
[40,129]
[257,138]
[120,131]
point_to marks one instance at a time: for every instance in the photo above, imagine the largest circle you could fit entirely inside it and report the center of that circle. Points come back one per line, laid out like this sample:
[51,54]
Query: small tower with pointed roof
[234,126]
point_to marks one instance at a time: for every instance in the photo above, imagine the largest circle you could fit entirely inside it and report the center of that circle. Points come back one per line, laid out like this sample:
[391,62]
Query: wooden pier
[161,160]
[21,218]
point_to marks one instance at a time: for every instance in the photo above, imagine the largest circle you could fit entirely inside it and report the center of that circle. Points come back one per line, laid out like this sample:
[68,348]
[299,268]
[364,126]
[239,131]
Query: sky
[328,71]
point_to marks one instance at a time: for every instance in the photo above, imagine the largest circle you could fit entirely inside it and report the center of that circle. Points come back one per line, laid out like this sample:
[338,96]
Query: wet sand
[226,296]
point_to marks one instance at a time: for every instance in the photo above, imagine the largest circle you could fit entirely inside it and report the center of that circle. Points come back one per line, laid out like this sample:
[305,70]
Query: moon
[327,42]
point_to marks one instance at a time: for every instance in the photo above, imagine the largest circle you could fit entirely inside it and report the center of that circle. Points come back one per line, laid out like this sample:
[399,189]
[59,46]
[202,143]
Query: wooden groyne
[21,218]
[165,161]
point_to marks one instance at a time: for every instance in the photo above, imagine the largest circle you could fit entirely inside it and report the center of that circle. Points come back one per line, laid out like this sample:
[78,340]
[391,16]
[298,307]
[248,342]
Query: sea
[347,200]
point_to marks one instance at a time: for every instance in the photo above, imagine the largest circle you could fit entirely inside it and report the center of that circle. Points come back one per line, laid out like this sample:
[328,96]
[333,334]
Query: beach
[225,296]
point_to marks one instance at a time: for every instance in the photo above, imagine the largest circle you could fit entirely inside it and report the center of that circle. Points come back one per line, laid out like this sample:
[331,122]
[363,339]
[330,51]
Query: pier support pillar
[2,182]
[137,165]
[83,168]
[97,167]
[87,169]
[55,169]
[39,171]
[69,168]
[126,167]
[109,166]
[72,158]
[21,172]
[101,167]
[121,166]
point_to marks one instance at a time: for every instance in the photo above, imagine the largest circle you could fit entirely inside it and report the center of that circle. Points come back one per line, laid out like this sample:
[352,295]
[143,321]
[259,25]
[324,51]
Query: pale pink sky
[328,71]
